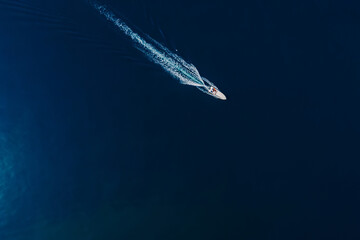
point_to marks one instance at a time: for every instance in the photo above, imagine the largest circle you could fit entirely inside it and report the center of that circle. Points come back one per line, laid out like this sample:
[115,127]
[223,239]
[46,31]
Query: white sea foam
[177,67]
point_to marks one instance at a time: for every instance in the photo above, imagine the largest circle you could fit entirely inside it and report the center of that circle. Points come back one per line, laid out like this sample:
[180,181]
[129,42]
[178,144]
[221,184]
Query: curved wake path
[176,66]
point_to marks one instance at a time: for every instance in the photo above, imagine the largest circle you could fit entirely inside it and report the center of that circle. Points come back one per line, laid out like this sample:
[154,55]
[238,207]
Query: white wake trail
[176,66]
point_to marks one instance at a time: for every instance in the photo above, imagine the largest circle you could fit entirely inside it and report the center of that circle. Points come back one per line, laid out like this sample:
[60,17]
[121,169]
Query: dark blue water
[98,143]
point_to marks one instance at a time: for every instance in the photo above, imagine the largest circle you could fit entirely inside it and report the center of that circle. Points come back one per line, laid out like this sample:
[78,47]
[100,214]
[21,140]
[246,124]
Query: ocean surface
[96,142]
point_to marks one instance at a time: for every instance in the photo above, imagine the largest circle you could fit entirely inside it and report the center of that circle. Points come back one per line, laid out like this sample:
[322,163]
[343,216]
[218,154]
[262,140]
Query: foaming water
[177,67]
